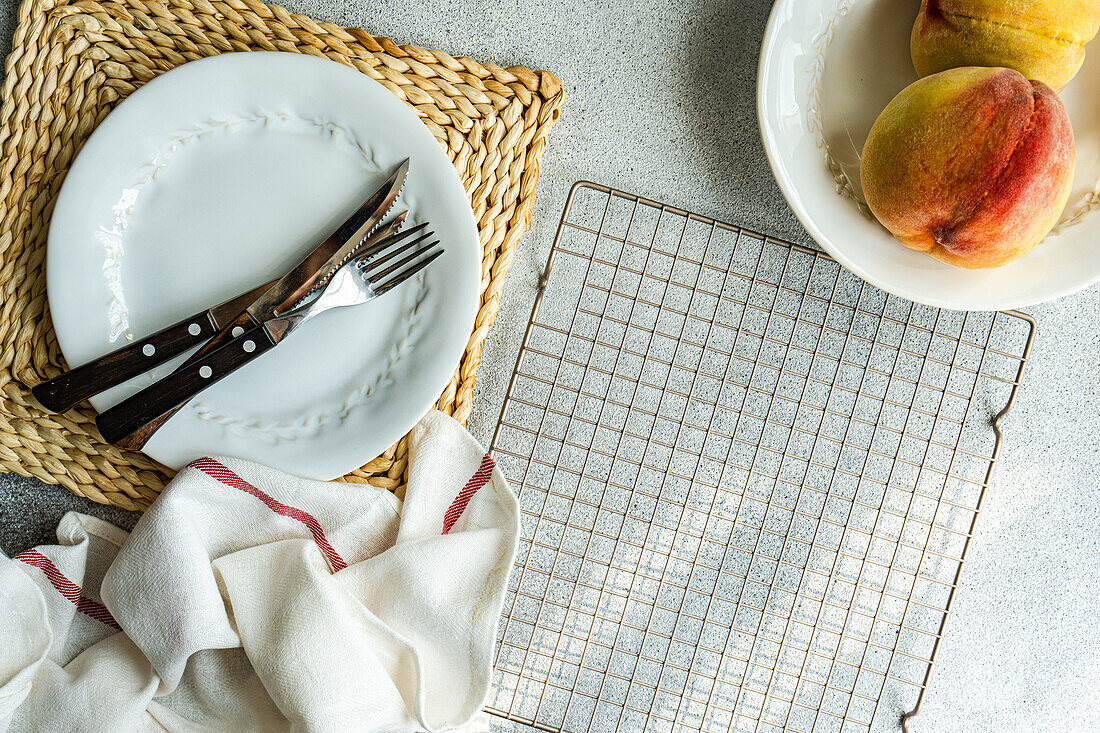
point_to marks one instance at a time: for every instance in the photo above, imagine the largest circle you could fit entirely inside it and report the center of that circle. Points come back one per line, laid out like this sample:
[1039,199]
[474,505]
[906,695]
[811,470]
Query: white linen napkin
[246,599]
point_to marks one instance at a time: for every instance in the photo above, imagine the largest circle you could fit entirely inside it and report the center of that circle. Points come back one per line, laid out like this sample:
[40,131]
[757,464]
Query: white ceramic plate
[827,69]
[220,175]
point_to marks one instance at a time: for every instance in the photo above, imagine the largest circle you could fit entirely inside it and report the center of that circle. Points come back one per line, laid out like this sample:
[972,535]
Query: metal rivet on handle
[237,331]
[249,346]
[148,349]
[194,329]
[205,372]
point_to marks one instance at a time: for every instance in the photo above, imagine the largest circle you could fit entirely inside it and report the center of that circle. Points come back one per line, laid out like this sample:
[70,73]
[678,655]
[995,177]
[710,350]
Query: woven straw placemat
[72,62]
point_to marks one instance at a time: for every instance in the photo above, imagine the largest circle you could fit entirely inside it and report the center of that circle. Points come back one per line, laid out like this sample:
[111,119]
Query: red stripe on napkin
[218,471]
[68,588]
[481,477]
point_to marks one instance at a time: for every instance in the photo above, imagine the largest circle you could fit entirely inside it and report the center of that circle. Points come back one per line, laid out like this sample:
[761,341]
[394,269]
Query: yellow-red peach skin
[1042,39]
[971,165]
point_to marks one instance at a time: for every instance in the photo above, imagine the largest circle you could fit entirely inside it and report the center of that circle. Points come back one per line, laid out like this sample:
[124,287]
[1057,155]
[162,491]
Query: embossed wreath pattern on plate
[275,431]
[816,123]
[118,314]
[1088,204]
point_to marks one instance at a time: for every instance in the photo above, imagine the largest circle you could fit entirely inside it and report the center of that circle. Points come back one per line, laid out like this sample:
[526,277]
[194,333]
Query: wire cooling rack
[748,480]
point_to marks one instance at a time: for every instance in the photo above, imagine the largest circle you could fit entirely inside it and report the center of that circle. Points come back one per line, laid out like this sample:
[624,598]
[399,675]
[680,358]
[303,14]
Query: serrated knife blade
[327,257]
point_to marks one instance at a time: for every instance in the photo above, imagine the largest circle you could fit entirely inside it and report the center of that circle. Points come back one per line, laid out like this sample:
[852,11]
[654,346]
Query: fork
[367,276]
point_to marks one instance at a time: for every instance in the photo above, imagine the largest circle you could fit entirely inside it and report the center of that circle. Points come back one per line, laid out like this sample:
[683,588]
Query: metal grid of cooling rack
[748,480]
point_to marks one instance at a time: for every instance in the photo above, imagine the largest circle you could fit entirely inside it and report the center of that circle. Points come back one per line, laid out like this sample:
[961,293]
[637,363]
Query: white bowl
[827,69]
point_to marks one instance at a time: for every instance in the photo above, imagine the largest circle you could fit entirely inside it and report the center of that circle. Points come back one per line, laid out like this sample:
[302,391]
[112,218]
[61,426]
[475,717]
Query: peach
[972,165]
[1042,39]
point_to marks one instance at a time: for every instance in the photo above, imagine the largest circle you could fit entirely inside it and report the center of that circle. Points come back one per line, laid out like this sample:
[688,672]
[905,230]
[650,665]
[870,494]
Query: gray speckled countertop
[662,103]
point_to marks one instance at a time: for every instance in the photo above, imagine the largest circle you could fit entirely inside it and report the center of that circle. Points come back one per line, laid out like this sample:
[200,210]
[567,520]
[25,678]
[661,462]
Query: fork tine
[367,266]
[408,272]
[387,242]
[375,275]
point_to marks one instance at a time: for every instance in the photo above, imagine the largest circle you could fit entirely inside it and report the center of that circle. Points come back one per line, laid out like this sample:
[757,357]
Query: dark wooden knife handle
[76,385]
[139,437]
[131,423]
[240,325]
